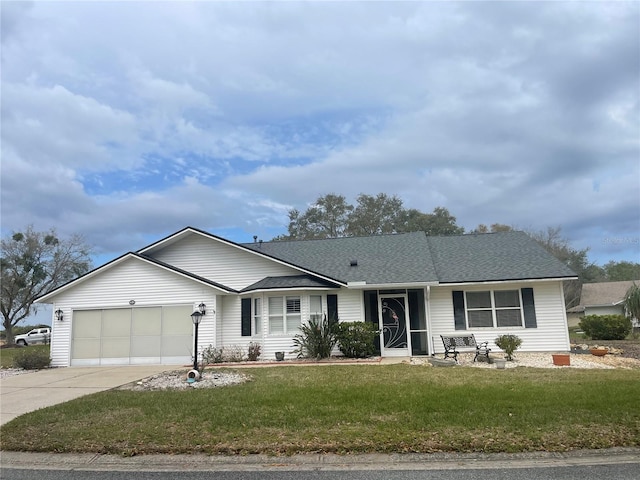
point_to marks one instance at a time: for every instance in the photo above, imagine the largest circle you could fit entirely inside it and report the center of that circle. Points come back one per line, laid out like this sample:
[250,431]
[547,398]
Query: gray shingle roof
[416,258]
[294,281]
[493,257]
[604,293]
[383,259]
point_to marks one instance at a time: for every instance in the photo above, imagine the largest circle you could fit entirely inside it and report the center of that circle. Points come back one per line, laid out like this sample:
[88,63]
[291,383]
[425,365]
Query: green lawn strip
[7,354]
[350,409]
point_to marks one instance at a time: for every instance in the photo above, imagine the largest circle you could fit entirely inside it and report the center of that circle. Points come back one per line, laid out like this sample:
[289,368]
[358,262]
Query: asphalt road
[626,471]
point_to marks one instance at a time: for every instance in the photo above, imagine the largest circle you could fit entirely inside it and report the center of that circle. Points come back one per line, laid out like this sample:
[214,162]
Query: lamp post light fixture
[59,315]
[196,317]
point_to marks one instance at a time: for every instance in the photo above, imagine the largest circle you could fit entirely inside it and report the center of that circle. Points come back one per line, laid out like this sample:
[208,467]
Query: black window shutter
[245,315]
[332,309]
[529,308]
[458,310]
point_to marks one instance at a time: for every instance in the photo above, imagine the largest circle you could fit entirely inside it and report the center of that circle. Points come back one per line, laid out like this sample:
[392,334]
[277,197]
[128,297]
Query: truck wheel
[21,343]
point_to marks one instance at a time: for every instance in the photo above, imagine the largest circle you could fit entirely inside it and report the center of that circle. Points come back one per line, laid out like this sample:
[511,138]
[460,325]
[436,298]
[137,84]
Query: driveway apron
[20,394]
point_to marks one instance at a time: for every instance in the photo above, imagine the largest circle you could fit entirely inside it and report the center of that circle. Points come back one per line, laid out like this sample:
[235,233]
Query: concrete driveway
[27,392]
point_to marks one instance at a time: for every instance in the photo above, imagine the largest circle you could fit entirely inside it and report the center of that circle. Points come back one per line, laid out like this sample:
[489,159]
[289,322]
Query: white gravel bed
[10,372]
[177,380]
[544,360]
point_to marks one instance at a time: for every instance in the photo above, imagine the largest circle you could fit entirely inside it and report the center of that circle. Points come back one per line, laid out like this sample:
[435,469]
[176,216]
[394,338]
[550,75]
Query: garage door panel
[177,321]
[86,348]
[116,323]
[146,345]
[147,321]
[115,347]
[177,346]
[87,323]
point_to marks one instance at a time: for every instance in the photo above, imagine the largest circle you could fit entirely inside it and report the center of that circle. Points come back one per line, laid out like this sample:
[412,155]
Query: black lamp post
[196,317]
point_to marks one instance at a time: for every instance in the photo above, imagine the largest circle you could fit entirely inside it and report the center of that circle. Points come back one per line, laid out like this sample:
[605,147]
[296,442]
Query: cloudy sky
[127,121]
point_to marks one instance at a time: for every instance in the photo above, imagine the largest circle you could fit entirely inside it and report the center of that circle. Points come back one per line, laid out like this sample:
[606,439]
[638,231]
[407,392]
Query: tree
[326,218]
[495,227]
[332,217]
[34,263]
[552,240]
[619,271]
[440,222]
[375,215]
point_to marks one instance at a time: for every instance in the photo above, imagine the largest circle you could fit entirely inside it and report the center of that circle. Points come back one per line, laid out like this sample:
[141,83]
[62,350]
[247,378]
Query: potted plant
[561,359]
[500,363]
[508,343]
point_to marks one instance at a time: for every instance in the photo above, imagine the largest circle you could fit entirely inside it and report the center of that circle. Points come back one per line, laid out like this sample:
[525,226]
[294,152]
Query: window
[294,317]
[315,307]
[257,316]
[285,315]
[276,317]
[500,308]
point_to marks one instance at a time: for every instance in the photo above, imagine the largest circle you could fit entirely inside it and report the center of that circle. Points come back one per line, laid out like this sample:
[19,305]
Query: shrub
[508,343]
[356,339]
[211,354]
[315,340]
[606,327]
[254,351]
[233,354]
[31,359]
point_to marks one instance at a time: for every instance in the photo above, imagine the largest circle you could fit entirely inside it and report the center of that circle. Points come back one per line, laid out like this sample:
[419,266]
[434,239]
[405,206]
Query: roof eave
[515,280]
[365,285]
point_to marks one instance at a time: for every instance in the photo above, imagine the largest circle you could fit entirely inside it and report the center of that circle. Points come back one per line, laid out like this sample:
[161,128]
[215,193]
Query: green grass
[350,409]
[7,354]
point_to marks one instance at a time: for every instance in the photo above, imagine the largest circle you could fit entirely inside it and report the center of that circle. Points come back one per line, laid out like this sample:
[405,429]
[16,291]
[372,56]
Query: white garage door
[132,336]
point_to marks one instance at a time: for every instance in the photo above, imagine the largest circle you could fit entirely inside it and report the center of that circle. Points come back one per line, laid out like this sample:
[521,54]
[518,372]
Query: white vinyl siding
[225,264]
[550,333]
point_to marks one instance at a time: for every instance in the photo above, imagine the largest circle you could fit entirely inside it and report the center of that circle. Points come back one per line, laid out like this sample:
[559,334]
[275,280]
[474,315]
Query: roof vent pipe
[260,243]
[353,263]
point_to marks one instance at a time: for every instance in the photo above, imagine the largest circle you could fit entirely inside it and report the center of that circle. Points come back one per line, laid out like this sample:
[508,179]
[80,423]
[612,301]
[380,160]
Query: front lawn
[350,409]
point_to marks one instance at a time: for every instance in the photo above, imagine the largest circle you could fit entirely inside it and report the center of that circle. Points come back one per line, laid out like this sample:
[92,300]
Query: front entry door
[393,323]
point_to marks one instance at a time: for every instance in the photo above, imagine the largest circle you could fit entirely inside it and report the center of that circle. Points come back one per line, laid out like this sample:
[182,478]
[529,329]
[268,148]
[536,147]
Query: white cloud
[503,112]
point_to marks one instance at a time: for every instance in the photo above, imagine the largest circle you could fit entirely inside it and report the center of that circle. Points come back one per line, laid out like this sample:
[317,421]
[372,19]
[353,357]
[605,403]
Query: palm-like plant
[632,301]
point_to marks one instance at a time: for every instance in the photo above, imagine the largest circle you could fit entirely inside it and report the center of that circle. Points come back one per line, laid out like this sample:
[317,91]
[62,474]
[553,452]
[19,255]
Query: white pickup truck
[37,335]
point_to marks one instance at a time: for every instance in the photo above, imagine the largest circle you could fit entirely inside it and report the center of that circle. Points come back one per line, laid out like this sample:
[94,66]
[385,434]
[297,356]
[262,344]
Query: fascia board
[391,286]
[501,282]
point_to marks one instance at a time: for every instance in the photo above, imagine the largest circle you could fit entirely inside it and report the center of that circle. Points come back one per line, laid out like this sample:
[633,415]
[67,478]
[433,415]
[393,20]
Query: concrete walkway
[27,392]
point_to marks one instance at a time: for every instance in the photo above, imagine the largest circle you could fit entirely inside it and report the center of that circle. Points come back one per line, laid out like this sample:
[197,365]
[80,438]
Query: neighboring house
[606,298]
[136,309]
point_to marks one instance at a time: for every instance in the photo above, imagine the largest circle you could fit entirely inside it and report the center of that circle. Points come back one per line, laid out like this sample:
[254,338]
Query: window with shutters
[494,308]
